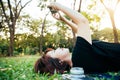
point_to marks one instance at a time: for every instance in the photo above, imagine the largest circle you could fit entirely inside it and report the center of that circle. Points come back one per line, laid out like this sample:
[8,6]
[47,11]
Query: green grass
[21,68]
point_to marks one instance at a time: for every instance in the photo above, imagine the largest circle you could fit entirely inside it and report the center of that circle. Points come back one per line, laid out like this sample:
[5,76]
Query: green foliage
[21,68]
[105,34]
[43,4]
[3,47]
[29,44]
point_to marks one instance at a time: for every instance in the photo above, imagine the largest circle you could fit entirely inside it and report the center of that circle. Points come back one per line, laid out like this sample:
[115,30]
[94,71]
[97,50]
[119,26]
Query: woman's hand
[57,16]
[55,8]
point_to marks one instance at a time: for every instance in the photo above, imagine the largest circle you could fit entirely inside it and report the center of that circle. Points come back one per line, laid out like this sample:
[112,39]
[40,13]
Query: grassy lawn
[21,68]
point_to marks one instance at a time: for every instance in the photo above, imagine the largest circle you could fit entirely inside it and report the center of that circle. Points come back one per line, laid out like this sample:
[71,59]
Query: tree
[43,6]
[111,7]
[42,31]
[11,18]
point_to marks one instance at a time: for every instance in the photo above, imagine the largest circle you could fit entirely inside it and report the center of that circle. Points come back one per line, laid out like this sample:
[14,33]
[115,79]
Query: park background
[27,29]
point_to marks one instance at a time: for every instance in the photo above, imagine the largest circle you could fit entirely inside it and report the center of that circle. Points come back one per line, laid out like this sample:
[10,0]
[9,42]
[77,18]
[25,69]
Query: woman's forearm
[71,24]
[75,16]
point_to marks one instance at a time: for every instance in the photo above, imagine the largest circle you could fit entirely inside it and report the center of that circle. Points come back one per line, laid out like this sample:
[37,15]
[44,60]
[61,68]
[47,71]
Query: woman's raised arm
[82,24]
[68,22]
[74,15]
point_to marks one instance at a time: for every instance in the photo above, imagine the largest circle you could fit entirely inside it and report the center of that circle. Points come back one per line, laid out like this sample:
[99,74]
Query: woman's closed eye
[50,53]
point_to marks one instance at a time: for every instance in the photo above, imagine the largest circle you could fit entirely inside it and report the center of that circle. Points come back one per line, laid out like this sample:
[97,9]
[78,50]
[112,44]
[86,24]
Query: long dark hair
[46,64]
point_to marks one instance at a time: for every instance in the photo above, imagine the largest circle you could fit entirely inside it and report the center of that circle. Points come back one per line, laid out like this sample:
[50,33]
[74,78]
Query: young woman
[93,56]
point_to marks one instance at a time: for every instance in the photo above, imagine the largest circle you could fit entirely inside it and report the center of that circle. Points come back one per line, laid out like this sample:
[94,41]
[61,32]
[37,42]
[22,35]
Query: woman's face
[61,53]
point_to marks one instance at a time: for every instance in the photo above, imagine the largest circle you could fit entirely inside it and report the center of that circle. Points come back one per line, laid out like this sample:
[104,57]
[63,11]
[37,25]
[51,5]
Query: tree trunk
[114,27]
[11,41]
[41,36]
[79,9]
[111,14]
[41,40]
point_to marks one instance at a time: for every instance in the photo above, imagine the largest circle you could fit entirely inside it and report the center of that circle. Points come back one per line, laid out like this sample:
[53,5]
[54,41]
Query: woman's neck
[68,60]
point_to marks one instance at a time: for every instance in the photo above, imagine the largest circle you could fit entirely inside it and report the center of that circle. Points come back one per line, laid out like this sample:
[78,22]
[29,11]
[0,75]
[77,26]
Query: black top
[96,58]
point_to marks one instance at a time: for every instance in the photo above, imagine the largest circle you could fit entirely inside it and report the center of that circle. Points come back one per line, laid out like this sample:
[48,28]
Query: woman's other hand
[58,16]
